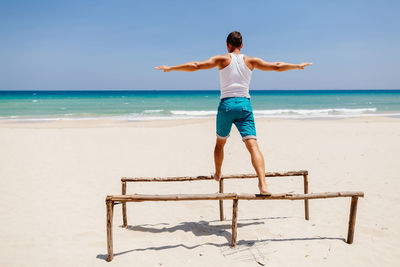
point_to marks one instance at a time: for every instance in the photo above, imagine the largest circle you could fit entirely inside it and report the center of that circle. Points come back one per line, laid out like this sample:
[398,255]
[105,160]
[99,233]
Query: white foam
[147,115]
[153,111]
[194,112]
[313,112]
[331,112]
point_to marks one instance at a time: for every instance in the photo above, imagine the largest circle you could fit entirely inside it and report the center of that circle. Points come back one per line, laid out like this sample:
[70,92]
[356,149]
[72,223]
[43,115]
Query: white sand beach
[55,177]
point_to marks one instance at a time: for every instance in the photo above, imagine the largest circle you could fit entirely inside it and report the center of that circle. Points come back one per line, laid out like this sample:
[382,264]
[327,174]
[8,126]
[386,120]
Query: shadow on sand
[204,228]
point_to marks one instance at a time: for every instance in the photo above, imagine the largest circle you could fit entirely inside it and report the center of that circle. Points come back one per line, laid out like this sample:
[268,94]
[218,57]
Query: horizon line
[195,90]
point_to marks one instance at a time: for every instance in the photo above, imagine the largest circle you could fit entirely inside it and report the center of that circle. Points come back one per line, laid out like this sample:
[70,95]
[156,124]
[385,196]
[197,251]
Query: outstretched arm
[193,66]
[260,64]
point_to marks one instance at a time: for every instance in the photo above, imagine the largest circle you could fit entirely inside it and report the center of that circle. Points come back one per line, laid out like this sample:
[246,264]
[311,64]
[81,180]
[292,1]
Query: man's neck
[236,51]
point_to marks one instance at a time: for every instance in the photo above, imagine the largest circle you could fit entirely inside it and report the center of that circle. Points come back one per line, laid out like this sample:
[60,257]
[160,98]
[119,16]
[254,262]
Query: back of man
[235,106]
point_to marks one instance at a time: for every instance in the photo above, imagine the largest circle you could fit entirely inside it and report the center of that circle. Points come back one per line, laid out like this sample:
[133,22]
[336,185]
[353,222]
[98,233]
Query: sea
[139,105]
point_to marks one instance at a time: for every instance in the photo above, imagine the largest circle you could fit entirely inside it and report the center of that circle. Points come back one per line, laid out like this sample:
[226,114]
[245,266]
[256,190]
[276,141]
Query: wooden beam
[198,178]
[166,179]
[267,174]
[171,197]
[299,196]
[218,196]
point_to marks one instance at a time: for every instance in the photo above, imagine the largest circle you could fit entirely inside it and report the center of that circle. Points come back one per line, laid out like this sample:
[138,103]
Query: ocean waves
[305,113]
[160,105]
[284,113]
[293,113]
[162,114]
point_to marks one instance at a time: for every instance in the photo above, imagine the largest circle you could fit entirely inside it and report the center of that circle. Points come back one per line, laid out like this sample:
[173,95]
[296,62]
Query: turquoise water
[156,105]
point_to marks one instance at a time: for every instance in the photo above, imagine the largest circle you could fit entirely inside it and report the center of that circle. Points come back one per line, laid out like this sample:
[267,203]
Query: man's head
[233,41]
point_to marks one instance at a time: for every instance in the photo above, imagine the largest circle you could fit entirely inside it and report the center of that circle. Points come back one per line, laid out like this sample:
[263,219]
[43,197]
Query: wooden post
[221,202]
[306,212]
[109,205]
[124,218]
[234,222]
[352,219]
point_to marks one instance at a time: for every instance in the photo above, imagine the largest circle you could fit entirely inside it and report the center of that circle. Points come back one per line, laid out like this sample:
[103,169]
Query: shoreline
[101,122]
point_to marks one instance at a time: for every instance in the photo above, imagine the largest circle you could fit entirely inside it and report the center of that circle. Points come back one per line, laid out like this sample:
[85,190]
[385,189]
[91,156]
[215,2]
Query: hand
[304,64]
[164,68]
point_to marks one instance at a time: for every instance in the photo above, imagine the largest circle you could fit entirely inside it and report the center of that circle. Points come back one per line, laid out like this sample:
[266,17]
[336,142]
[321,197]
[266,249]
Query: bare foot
[264,191]
[216,176]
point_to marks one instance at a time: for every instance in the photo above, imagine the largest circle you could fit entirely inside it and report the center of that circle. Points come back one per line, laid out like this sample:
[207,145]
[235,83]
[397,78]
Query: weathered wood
[299,196]
[124,218]
[109,205]
[306,211]
[234,222]
[267,174]
[221,202]
[218,196]
[198,178]
[166,179]
[352,219]
[235,197]
[171,197]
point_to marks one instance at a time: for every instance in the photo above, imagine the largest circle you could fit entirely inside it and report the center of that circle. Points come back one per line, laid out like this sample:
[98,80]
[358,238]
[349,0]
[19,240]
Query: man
[235,107]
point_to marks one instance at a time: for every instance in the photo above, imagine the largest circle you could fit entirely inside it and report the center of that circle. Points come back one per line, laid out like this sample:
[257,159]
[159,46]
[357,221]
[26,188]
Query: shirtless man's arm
[215,61]
[258,63]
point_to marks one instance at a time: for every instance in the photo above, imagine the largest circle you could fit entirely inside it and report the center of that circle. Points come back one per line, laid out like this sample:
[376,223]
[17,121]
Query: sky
[115,45]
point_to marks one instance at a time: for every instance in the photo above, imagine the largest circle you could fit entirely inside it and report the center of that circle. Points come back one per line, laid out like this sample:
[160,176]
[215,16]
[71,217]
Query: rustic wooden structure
[301,173]
[111,200]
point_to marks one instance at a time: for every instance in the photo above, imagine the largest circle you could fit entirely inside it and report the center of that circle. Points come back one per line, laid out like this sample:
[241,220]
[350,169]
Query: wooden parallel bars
[124,180]
[111,200]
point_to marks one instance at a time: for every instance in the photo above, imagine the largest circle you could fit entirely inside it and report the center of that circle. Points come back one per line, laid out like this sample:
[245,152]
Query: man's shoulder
[222,60]
[250,61]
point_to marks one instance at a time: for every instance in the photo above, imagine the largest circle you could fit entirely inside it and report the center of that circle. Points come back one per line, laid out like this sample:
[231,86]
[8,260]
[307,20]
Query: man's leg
[219,156]
[257,160]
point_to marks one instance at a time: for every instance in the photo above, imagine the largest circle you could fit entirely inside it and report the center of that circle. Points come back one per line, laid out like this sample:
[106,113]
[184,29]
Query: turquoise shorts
[236,110]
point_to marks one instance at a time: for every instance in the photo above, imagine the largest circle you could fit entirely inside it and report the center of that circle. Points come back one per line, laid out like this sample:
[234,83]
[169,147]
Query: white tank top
[235,78]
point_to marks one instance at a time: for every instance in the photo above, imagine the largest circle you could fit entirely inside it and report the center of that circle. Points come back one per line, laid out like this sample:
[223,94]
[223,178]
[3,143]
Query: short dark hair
[234,39]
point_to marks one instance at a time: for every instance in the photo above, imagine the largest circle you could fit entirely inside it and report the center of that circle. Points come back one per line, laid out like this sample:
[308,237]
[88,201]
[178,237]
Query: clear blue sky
[82,44]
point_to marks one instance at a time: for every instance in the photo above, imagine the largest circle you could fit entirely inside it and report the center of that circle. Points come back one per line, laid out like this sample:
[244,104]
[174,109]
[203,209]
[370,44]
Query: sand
[54,177]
